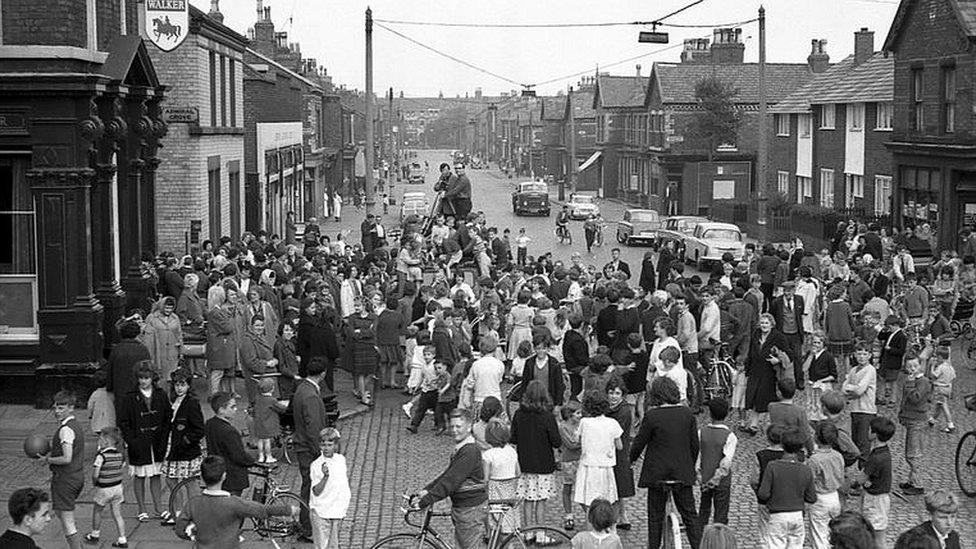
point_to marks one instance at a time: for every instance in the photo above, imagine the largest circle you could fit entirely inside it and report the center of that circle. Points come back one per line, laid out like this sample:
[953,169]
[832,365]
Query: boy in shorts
[66,460]
[107,476]
[876,478]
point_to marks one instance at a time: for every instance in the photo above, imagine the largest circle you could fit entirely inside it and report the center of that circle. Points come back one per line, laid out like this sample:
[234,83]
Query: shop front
[281,171]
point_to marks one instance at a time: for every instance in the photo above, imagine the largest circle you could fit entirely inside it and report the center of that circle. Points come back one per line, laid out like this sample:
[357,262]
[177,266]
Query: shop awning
[590,161]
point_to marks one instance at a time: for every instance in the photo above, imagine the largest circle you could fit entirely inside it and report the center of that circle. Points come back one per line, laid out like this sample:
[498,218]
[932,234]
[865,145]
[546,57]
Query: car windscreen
[644,217]
[722,234]
[534,188]
[582,200]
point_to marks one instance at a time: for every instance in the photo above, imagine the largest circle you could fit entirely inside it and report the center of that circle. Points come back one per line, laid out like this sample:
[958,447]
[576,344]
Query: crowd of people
[553,378]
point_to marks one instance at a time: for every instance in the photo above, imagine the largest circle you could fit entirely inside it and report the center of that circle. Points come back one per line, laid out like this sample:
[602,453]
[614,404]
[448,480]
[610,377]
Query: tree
[719,121]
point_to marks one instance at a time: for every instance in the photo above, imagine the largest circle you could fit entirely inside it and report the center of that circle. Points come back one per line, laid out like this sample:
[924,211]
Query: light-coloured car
[414,203]
[674,230]
[710,240]
[638,227]
[416,174]
[582,206]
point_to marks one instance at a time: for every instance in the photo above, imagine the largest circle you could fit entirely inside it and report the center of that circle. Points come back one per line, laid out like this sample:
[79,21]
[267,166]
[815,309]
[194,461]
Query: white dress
[594,477]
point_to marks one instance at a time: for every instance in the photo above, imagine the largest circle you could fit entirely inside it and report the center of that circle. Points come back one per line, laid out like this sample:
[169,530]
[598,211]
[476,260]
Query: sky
[333,32]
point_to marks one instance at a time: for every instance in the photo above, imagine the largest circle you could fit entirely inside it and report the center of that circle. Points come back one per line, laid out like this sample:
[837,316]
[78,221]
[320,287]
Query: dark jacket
[778,306]
[458,187]
[576,352]
[444,347]
[648,278]
[535,435]
[622,266]
[316,338]
[120,367]
[221,341]
[555,384]
[310,415]
[225,441]
[670,434]
[186,431]
[145,426]
[893,352]
[872,245]
[926,529]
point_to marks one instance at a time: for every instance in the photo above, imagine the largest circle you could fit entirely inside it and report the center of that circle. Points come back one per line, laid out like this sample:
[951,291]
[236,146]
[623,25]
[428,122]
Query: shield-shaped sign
[167,22]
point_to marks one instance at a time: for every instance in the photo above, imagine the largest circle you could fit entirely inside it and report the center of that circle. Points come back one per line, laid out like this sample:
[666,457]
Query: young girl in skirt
[820,369]
[599,443]
[183,455]
[623,476]
[267,424]
[569,455]
[145,422]
[535,435]
[502,473]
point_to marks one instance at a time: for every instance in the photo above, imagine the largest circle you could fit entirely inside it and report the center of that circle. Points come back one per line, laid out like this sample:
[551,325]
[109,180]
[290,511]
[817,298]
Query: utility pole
[370,117]
[573,164]
[763,152]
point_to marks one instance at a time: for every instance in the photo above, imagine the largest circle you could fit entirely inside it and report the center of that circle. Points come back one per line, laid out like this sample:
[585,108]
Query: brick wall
[49,22]
[877,159]
[109,22]
[782,155]
[829,153]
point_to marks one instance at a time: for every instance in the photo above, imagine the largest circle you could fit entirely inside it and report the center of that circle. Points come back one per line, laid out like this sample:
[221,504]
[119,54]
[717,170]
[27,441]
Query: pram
[962,316]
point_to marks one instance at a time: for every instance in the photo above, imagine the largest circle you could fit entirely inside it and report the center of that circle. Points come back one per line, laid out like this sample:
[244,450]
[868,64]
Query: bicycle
[671,533]
[270,492]
[563,234]
[429,538]
[966,455]
[718,373]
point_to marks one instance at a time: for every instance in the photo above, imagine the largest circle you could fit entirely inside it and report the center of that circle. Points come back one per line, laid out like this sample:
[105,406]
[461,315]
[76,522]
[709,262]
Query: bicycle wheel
[409,541]
[725,378]
[524,537]
[283,528]
[966,463]
[182,492]
[285,450]
[671,536]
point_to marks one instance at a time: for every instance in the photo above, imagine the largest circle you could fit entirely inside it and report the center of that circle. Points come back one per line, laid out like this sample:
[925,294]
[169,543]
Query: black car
[531,197]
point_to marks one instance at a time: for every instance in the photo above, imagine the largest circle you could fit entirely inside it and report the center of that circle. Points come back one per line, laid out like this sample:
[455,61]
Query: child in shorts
[876,478]
[569,454]
[942,376]
[107,476]
[66,460]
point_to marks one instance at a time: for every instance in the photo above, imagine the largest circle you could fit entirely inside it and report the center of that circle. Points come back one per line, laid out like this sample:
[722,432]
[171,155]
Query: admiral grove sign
[185,115]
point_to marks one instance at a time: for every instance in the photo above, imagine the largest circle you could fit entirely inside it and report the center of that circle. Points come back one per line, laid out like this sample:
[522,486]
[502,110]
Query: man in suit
[787,310]
[942,506]
[310,417]
[616,264]
[224,440]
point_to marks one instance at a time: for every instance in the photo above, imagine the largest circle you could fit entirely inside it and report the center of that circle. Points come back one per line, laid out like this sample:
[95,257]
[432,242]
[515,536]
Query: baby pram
[962,316]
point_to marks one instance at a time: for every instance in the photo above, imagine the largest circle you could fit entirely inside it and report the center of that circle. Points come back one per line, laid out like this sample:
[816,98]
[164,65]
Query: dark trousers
[684,502]
[718,498]
[767,291]
[521,255]
[428,401]
[795,344]
[330,377]
[697,394]
[861,431]
[575,386]
[304,464]
[462,207]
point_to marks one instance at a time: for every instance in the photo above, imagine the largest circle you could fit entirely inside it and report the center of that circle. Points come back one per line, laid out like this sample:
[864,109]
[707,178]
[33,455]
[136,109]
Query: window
[917,95]
[826,188]
[223,91]
[855,117]
[783,182]
[883,120]
[804,189]
[882,194]
[853,188]
[232,81]
[804,122]
[783,124]
[213,88]
[18,269]
[213,184]
[827,114]
[234,190]
[948,99]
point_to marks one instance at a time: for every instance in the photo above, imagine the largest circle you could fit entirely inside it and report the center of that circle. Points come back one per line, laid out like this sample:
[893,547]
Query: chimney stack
[727,46]
[818,60]
[863,45]
[696,50]
[260,9]
[215,11]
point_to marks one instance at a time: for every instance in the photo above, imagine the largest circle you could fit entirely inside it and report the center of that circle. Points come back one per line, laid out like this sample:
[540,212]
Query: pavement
[386,461]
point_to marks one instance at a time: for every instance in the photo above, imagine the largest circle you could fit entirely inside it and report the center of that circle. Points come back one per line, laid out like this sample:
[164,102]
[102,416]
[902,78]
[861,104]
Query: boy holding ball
[66,460]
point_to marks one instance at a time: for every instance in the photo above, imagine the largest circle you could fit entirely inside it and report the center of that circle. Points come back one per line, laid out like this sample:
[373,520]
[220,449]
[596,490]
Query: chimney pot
[638,69]
[267,13]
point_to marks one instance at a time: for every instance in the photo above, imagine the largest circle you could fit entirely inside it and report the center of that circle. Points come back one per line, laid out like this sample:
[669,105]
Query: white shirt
[333,502]
[597,436]
[655,364]
[711,324]
[486,375]
[502,463]
[67,434]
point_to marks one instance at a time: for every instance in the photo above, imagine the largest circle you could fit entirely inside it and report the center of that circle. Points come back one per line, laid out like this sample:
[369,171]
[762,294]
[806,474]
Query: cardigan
[555,384]
[218,517]
[535,435]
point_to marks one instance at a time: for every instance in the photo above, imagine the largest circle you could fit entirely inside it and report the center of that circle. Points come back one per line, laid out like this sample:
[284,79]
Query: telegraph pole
[573,164]
[763,151]
[392,149]
[370,195]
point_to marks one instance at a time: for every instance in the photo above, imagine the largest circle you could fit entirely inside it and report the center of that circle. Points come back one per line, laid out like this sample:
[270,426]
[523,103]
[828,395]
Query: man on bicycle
[562,222]
[463,482]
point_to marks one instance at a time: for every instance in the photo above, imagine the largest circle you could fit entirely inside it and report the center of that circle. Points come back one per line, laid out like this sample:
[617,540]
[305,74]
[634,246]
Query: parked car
[638,226]
[414,203]
[582,206]
[675,229]
[710,240]
[531,197]
[416,174]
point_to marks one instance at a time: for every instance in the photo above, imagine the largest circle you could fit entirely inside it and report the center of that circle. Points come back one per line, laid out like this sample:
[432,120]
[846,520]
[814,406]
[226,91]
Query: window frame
[947,99]
[828,122]
[882,182]
[783,125]
[213,88]
[855,117]
[804,125]
[783,182]
[827,198]
[917,99]
[804,188]
[884,112]
[12,334]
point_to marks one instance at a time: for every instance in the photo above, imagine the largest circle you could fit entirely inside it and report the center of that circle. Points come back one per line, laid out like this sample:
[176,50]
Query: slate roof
[676,81]
[965,11]
[554,108]
[583,104]
[620,91]
[870,82]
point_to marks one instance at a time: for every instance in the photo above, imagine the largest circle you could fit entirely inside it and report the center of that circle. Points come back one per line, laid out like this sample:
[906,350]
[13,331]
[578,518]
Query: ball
[36,445]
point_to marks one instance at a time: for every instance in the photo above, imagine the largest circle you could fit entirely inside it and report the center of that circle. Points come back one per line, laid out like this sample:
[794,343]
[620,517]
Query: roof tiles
[621,91]
[677,80]
[870,82]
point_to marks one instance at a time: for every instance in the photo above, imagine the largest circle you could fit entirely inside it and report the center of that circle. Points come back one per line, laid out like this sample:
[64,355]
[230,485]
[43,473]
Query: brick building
[199,195]
[80,124]
[933,141]
[624,131]
[555,116]
[829,140]
[693,172]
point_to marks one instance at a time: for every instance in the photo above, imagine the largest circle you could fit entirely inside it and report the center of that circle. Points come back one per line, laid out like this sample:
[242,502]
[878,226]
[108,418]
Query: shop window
[18,267]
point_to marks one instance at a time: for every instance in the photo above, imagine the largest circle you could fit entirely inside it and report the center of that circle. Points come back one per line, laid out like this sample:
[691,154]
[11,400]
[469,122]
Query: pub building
[80,126]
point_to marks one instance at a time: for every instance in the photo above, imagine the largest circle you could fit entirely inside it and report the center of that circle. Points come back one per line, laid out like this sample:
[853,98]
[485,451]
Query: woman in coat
[544,367]
[648,276]
[766,356]
[664,259]
[221,341]
[183,456]
[165,337]
[623,475]
[316,338]
[257,356]
[257,306]
[189,307]
[144,423]
[361,356]
[284,352]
